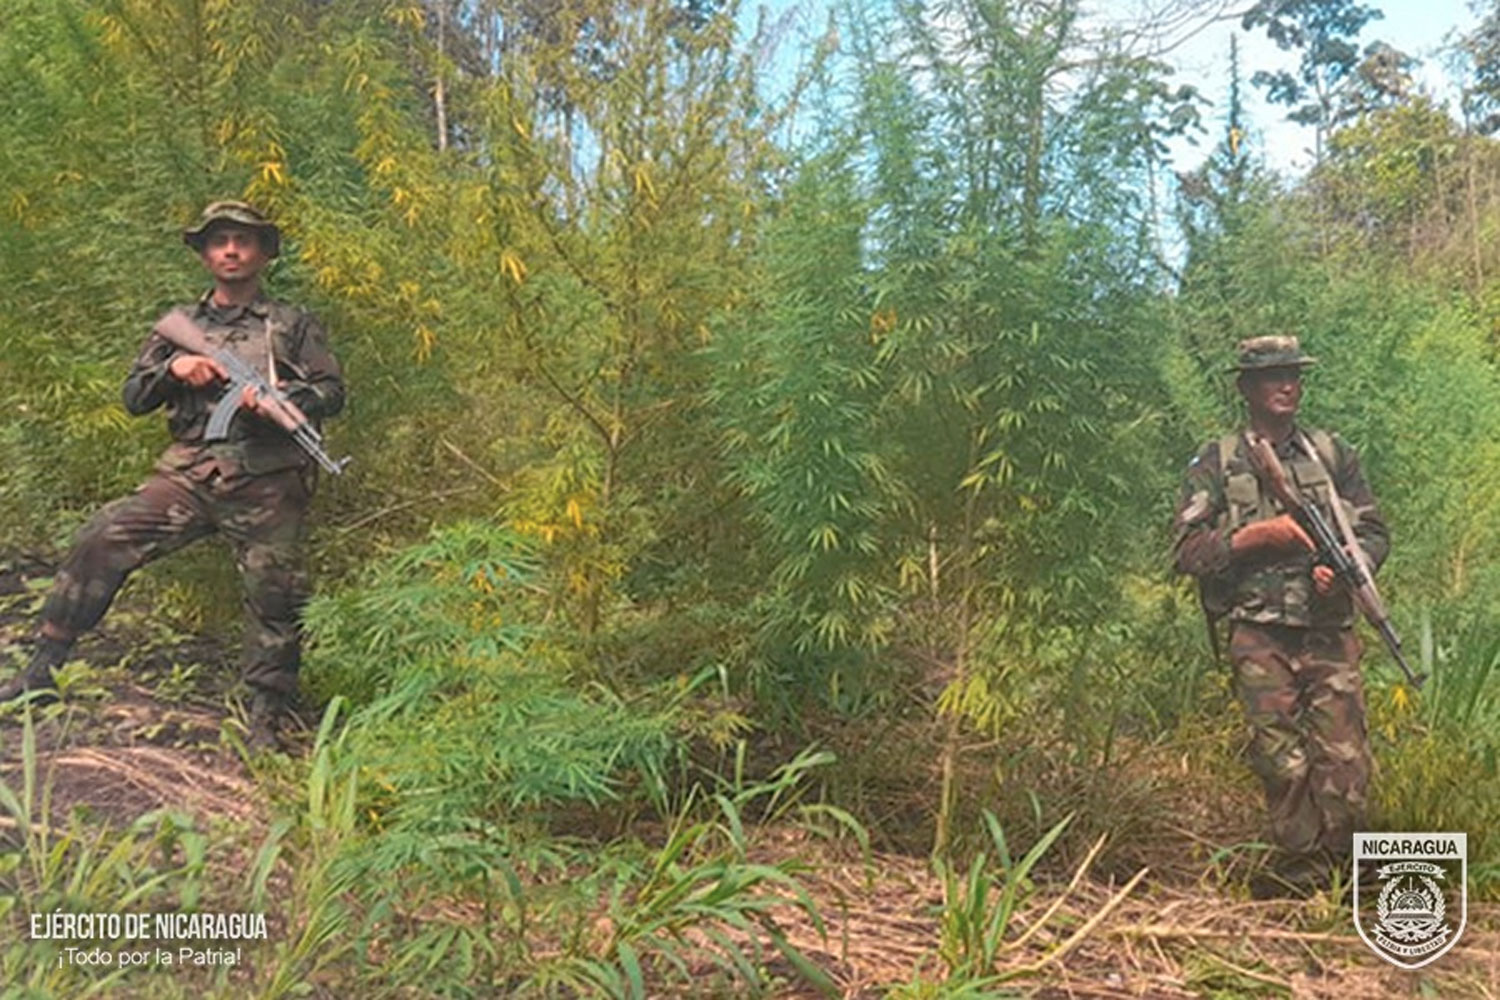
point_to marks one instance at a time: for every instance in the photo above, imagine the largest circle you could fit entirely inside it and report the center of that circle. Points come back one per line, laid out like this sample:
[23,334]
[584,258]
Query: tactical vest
[255,344]
[1246,500]
[1279,590]
[254,445]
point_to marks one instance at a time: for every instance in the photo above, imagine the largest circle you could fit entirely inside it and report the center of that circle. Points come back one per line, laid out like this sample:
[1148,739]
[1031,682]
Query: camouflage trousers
[1304,700]
[262,517]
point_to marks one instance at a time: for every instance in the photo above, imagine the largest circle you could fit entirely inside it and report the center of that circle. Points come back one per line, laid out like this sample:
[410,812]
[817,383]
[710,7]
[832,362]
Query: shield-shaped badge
[1410,898]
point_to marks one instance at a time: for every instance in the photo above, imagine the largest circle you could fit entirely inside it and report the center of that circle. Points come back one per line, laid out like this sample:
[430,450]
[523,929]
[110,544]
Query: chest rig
[1245,500]
[260,343]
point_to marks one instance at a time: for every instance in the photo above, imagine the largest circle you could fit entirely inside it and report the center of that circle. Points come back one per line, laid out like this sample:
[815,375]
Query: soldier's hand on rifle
[250,400]
[196,370]
[1324,575]
[1281,532]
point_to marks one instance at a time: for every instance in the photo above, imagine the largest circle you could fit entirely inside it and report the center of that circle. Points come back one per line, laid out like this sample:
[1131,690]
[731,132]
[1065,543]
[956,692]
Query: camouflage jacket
[1222,494]
[306,371]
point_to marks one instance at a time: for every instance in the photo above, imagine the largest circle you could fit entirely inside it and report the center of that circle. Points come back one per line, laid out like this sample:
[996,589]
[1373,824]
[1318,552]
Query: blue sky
[1416,28]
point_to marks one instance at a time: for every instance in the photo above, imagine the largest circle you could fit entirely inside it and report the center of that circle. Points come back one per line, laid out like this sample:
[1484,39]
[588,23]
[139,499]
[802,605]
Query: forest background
[795,445]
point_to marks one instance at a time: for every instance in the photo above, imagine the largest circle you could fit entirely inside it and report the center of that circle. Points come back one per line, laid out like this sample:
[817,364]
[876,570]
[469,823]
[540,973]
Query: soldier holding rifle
[1242,531]
[252,484]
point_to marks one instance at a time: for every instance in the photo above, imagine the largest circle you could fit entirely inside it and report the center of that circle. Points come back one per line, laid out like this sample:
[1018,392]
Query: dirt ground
[146,730]
[1143,937]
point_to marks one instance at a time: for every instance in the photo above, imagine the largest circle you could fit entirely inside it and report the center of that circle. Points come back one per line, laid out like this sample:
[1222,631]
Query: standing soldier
[1292,644]
[253,487]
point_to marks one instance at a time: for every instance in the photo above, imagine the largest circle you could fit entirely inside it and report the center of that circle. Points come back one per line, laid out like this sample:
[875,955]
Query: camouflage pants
[1304,700]
[261,516]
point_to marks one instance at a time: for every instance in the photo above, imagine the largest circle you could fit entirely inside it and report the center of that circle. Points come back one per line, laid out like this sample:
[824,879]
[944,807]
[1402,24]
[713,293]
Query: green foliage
[1383,170]
[1407,374]
[978,907]
[797,382]
[320,919]
[438,647]
[157,861]
[1326,33]
[445,598]
[944,414]
[472,724]
[921,988]
[1480,50]
[860,406]
[1442,768]
[702,879]
[415,902]
[979,944]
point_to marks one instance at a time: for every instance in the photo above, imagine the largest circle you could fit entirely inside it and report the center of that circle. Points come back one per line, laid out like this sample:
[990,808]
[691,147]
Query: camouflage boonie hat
[239,213]
[1259,353]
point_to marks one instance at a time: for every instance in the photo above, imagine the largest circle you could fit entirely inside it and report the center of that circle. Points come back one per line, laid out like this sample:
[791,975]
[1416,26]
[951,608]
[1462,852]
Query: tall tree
[950,401]
[1326,34]
[1481,49]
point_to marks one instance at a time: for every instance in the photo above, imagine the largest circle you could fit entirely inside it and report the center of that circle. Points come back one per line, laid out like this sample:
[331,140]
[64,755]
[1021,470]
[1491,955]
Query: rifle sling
[1341,516]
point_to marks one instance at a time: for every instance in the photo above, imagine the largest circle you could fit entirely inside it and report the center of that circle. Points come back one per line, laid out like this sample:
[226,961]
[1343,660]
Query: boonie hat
[1259,353]
[239,213]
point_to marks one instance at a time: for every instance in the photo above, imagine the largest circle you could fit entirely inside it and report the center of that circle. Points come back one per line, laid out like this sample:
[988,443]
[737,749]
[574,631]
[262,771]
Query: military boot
[268,713]
[37,677]
[1293,876]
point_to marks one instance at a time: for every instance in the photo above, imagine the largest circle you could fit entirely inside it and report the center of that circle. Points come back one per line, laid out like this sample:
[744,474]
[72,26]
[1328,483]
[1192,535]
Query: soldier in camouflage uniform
[1292,644]
[253,487]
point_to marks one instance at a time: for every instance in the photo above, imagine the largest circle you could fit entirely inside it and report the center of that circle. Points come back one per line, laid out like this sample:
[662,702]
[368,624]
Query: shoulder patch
[1206,455]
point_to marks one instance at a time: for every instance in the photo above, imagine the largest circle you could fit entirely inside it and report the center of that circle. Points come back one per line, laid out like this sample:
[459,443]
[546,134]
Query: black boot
[268,710]
[37,677]
[1293,876]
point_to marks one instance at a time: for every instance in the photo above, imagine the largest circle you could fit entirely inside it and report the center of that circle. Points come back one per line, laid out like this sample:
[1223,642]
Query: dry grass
[1121,939]
[1152,937]
[1180,930]
[1163,916]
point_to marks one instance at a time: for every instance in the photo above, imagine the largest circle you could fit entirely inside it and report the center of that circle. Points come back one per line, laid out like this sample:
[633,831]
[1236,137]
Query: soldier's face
[233,253]
[1273,392]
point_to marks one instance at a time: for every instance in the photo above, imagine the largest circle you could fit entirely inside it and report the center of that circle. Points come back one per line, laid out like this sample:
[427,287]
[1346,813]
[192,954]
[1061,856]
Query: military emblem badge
[1410,903]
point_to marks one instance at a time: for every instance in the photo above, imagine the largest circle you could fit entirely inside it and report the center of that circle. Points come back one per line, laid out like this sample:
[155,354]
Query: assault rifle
[1345,565]
[177,328]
